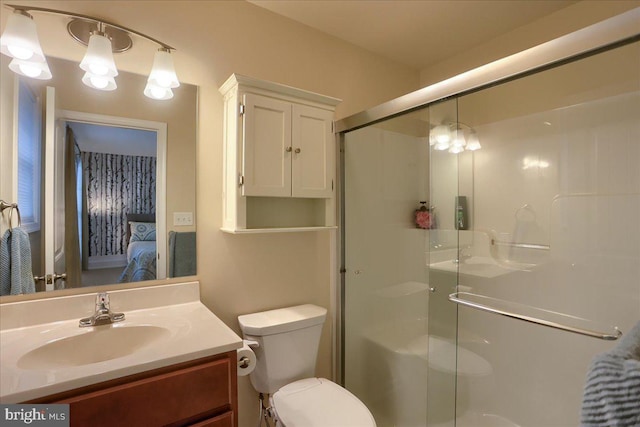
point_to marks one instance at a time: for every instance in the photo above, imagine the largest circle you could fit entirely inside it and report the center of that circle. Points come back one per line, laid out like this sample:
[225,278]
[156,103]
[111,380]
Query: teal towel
[5,265]
[182,253]
[15,262]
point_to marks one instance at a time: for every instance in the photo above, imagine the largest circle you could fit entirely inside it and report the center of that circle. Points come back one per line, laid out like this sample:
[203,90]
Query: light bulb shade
[157,92]
[441,134]
[98,60]
[99,82]
[455,149]
[32,69]
[474,142]
[163,73]
[20,38]
[459,139]
[441,146]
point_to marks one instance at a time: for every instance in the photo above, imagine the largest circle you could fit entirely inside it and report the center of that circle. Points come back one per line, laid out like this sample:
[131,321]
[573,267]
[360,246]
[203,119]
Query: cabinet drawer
[189,393]
[225,420]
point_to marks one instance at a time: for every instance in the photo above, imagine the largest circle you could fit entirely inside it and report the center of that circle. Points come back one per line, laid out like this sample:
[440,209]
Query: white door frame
[161,170]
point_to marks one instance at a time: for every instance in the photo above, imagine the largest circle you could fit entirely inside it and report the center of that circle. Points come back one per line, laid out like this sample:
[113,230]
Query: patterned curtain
[116,185]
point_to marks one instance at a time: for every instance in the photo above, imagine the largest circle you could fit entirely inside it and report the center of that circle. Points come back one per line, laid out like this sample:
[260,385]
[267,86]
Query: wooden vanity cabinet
[197,393]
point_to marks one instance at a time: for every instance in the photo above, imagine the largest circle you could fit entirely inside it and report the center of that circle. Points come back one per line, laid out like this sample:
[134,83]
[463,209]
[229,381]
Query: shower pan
[490,240]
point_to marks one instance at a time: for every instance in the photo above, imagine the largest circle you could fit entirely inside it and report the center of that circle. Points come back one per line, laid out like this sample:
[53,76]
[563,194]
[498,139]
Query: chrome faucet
[103,314]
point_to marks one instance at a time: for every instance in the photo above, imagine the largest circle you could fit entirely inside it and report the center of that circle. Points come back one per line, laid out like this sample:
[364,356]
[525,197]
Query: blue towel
[16,276]
[612,390]
[5,264]
[182,253]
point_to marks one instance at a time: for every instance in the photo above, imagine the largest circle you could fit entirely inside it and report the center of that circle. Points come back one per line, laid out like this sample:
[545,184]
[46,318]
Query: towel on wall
[16,276]
[612,390]
[182,253]
[5,264]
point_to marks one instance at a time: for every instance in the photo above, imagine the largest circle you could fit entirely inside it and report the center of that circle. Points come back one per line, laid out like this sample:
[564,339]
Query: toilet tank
[288,341]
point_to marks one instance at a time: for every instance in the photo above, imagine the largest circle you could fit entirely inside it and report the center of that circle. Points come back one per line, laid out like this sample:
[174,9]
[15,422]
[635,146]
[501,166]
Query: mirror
[134,164]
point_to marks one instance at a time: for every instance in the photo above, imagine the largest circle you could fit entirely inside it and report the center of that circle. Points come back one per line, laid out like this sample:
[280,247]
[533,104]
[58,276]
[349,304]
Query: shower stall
[491,236]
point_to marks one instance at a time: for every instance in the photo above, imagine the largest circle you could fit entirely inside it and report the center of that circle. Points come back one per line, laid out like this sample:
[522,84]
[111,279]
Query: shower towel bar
[459,298]
[521,245]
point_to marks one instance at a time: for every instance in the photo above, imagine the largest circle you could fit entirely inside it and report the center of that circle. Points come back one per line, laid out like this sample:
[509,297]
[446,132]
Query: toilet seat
[318,402]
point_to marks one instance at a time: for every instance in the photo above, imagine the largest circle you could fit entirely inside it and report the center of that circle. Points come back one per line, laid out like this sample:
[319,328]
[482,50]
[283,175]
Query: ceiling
[115,140]
[416,33]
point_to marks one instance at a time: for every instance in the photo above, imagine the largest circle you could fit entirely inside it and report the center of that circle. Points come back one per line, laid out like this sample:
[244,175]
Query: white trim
[161,169]
[49,184]
[14,151]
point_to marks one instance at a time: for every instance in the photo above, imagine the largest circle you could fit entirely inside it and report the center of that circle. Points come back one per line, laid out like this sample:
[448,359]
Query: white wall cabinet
[280,158]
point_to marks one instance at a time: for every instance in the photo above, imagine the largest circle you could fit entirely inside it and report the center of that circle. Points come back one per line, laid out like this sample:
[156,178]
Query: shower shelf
[535,315]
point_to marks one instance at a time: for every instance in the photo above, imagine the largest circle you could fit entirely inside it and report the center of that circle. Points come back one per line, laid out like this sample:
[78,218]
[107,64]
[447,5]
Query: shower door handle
[458,298]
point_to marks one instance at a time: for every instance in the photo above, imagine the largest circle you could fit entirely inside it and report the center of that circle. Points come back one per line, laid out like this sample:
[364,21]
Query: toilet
[286,352]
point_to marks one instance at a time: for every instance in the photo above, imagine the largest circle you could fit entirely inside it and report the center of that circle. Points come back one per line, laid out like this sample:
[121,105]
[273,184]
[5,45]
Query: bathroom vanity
[200,392]
[169,362]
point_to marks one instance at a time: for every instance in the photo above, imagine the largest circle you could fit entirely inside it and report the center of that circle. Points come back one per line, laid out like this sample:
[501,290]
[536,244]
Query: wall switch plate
[183,218]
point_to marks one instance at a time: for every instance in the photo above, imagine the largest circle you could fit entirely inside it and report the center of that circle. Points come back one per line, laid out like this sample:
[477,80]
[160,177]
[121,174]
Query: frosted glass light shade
[20,38]
[157,92]
[99,82]
[474,142]
[35,70]
[455,149]
[163,73]
[98,60]
[459,139]
[441,146]
[441,134]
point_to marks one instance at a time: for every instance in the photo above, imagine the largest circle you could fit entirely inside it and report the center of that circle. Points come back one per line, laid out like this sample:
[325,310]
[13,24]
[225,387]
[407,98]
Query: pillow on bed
[142,231]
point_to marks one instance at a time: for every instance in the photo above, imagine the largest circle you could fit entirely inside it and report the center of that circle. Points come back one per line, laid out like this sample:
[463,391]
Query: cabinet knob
[288,149]
[297,151]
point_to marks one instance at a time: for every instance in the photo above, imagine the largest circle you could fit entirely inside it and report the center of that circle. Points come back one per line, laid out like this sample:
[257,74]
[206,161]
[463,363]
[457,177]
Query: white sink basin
[44,351]
[98,344]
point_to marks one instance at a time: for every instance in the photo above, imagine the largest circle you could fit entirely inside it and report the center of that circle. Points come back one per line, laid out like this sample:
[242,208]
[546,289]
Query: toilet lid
[318,402]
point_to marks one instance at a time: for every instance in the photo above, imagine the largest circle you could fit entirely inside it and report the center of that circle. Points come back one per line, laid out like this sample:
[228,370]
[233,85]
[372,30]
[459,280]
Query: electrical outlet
[182,218]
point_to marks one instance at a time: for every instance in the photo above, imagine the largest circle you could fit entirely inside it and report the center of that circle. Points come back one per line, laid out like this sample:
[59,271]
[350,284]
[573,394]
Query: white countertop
[192,332]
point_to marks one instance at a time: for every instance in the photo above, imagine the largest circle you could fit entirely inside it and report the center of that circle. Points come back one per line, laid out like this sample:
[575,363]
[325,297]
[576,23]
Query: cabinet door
[313,152]
[266,161]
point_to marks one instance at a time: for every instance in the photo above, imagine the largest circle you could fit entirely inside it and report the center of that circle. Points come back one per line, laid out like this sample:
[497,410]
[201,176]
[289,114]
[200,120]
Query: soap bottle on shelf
[462,217]
[423,216]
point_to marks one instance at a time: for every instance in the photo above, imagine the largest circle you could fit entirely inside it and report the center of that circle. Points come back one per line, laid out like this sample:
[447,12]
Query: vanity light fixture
[163,76]
[453,137]
[98,64]
[102,38]
[20,42]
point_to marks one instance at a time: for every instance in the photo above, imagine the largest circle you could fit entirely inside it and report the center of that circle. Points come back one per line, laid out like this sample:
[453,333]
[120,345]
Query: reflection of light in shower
[452,137]
[531,163]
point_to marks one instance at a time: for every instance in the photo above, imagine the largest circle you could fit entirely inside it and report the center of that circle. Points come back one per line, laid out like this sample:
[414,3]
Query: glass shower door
[555,236]
[540,220]
[385,283]
[399,337]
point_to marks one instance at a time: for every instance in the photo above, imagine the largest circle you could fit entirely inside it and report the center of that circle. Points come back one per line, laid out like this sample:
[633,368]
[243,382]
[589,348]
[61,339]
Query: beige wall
[243,274]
